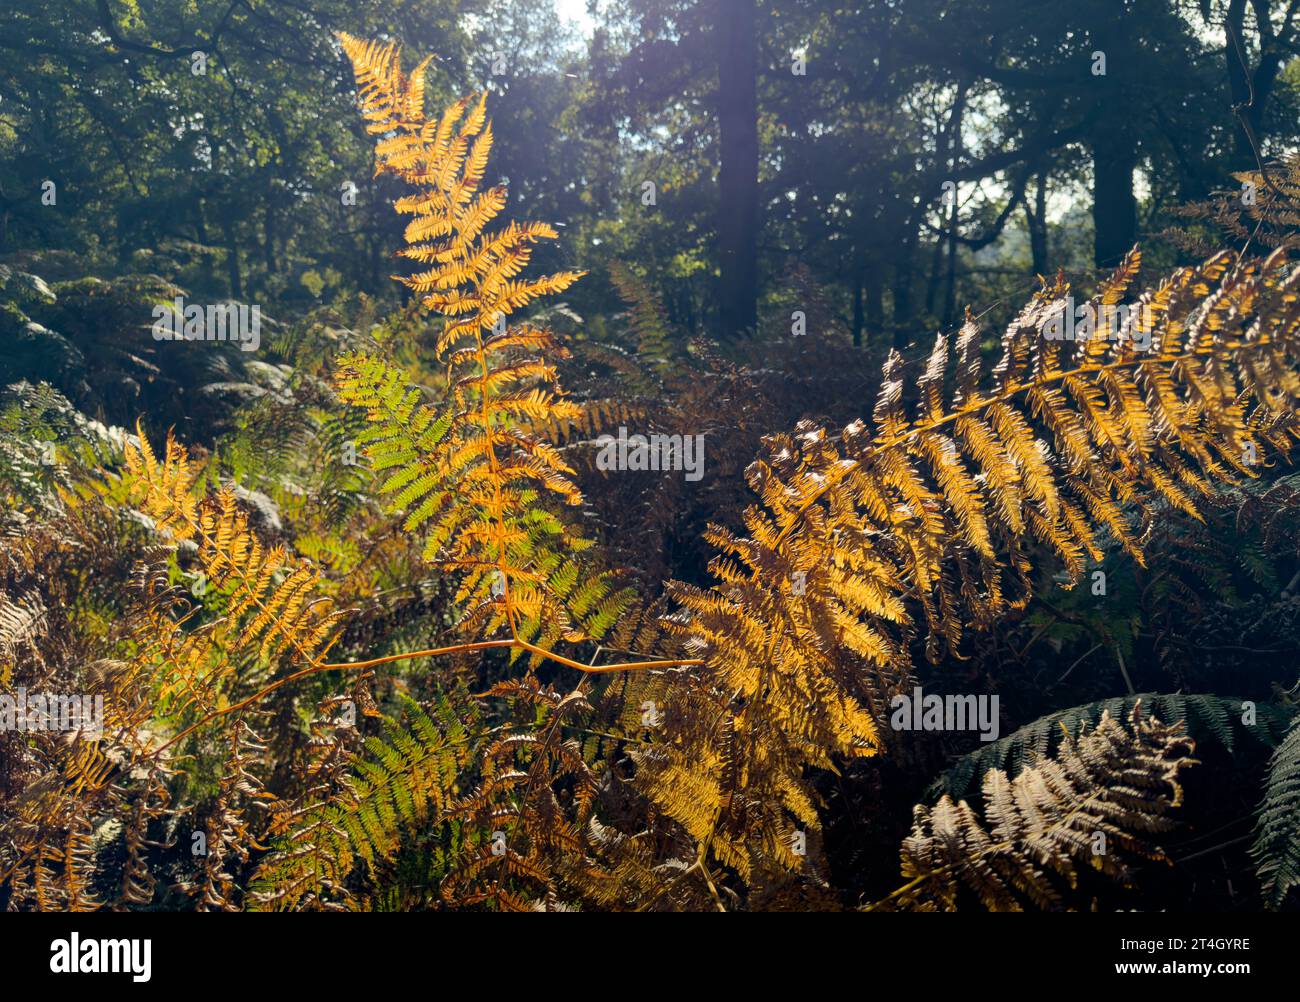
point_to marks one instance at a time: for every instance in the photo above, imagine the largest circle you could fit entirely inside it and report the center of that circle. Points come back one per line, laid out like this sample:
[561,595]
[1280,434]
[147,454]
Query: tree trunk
[209,262]
[268,244]
[932,274]
[738,172]
[1114,206]
[1113,144]
[904,272]
[1036,220]
[956,148]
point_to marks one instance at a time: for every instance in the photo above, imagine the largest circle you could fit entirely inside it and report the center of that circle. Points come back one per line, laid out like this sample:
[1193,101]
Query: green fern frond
[401,437]
[647,320]
[1277,835]
[397,785]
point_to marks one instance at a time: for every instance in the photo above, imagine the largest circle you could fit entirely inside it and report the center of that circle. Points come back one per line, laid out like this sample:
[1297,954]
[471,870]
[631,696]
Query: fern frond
[476,479]
[273,607]
[1277,834]
[390,789]
[1059,452]
[1268,218]
[646,318]
[1090,806]
[22,620]
[1204,717]
[938,507]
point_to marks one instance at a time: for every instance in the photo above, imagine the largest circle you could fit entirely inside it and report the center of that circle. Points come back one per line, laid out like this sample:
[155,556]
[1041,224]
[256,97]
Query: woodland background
[798,153]
[229,182]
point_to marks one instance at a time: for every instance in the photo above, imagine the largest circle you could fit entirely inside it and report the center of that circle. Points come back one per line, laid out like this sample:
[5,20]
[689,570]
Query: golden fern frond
[391,101]
[473,273]
[477,479]
[1089,806]
[596,418]
[188,668]
[273,608]
[808,629]
[476,488]
[1042,452]
[1263,210]
[727,768]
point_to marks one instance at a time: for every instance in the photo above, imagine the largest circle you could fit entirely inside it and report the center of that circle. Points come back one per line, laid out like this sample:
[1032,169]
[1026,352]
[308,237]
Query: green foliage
[396,786]
[400,437]
[1277,844]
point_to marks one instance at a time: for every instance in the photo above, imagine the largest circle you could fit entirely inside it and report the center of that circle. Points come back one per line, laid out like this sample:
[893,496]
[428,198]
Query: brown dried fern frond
[1263,211]
[1091,806]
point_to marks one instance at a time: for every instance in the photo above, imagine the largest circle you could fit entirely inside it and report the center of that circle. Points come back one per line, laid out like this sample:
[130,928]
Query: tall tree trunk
[1113,143]
[950,275]
[738,172]
[1114,206]
[209,263]
[268,244]
[904,272]
[1036,220]
[226,210]
[932,274]
[374,254]
[956,148]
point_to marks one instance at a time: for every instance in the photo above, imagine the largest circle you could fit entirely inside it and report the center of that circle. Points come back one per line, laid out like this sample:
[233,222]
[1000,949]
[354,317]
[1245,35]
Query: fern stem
[406,656]
[429,653]
[602,669]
